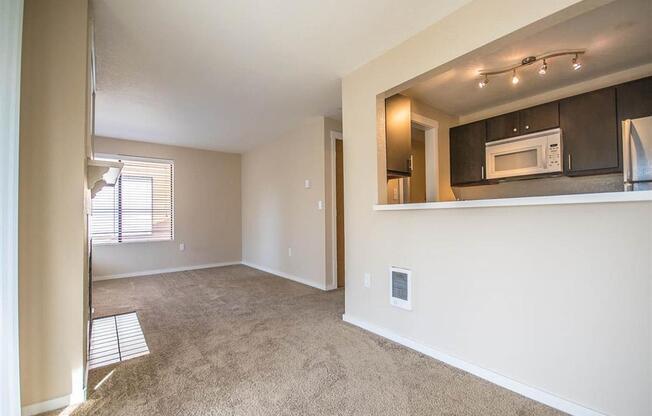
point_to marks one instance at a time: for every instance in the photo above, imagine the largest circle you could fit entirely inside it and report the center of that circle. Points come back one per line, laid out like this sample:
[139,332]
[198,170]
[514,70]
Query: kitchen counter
[595,198]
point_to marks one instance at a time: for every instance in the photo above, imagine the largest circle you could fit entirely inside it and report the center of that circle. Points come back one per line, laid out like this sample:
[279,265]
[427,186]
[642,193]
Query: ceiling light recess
[529,60]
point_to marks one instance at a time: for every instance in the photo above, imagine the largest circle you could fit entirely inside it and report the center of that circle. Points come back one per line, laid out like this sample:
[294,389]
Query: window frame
[121,158]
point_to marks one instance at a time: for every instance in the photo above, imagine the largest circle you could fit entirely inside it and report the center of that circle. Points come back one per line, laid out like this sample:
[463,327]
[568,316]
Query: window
[140,207]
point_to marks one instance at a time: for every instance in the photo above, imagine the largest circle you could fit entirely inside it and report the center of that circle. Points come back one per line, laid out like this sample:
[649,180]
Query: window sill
[101,243]
[597,198]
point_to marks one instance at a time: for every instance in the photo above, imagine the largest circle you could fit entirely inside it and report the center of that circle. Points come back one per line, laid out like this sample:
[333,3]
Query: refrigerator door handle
[627,156]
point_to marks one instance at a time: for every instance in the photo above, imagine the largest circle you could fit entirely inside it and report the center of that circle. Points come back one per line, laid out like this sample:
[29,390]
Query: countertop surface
[595,198]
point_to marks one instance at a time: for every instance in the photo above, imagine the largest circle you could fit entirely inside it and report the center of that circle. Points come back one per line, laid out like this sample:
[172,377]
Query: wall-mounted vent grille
[400,287]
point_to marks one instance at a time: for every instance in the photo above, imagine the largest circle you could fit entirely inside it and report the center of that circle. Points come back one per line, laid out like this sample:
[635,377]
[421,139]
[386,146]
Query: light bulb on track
[544,68]
[483,82]
[515,78]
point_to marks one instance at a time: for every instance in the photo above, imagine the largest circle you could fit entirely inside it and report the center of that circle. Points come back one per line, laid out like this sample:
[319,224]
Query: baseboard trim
[503,381]
[168,270]
[46,406]
[284,275]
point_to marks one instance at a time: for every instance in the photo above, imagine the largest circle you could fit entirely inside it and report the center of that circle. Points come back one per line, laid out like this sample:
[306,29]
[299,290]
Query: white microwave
[531,154]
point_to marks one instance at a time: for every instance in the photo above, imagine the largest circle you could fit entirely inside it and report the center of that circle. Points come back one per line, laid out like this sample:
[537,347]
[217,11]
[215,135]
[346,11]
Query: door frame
[431,128]
[334,135]
[11,22]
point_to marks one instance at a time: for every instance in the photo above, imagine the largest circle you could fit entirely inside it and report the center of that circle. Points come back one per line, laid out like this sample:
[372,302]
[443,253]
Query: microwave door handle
[544,156]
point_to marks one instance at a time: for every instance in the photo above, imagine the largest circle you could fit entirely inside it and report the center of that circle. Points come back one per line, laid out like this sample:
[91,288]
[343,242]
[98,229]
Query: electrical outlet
[182,246]
[367,280]
[306,183]
[320,205]
[289,251]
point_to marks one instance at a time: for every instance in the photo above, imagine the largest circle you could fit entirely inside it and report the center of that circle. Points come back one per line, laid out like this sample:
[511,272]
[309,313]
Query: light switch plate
[320,205]
[289,251]
[306,183]
[367,280]
[182,246]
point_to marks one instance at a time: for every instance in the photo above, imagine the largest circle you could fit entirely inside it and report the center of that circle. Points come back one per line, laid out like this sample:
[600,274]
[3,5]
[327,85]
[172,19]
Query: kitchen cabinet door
[398,135]
[634,99]
[467,153]
[590,133]
[502,127]
[539,118]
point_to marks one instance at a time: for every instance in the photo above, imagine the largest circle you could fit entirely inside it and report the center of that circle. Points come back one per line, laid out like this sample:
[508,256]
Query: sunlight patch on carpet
[116,338]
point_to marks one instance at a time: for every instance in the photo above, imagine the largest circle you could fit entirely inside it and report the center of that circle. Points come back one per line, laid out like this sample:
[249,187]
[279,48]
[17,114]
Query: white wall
[557,298]
[11,18]
[52,254]
[206,213]
[279,213]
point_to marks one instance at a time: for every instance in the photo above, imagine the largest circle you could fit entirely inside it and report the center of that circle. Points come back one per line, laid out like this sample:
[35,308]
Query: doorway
[339,210]
[423,183]
[413,188]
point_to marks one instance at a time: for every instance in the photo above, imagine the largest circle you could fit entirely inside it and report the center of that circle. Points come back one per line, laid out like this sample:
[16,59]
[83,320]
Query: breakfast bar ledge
[594,198]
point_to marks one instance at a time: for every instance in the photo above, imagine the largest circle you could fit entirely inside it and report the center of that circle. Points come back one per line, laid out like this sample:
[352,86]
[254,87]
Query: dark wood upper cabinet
[590,133]
[502,127]
[634,99]
[467,144]
[539,118]
[529,120]
[398,135]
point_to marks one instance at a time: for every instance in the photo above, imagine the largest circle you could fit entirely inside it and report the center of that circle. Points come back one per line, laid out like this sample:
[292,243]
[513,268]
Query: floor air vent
[116,338]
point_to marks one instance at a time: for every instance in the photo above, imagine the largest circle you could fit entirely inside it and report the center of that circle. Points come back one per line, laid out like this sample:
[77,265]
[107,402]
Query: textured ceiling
[228,75]
[616,36]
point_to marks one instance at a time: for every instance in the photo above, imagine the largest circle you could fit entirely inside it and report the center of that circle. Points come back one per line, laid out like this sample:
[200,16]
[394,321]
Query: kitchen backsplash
[542,187]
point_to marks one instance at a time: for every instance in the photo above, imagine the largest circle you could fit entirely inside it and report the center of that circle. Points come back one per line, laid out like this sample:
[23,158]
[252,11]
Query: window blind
[140,207]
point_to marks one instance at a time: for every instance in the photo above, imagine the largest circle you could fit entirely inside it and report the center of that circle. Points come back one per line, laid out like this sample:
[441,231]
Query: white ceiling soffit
[616,37]
[228,75]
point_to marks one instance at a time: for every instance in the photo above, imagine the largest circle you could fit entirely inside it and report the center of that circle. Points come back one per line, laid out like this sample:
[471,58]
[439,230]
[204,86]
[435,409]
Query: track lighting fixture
[529,60]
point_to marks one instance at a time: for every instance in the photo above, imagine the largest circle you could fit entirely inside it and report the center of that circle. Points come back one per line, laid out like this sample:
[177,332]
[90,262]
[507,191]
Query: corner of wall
[279,213]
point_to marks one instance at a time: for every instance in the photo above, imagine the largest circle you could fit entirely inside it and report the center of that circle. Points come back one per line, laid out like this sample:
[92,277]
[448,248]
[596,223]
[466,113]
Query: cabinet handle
[527,127]
[570,162]
[482,172]
[410,162]
[514,129]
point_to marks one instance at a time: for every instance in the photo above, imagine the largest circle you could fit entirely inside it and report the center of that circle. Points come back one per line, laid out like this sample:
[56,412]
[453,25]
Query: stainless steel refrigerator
[637,154]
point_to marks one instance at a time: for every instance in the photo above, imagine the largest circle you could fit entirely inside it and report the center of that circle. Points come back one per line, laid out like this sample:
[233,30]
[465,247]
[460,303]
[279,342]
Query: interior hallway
[238,341]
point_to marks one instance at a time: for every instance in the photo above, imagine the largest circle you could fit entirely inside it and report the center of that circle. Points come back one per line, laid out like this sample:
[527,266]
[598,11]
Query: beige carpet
[237,341]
